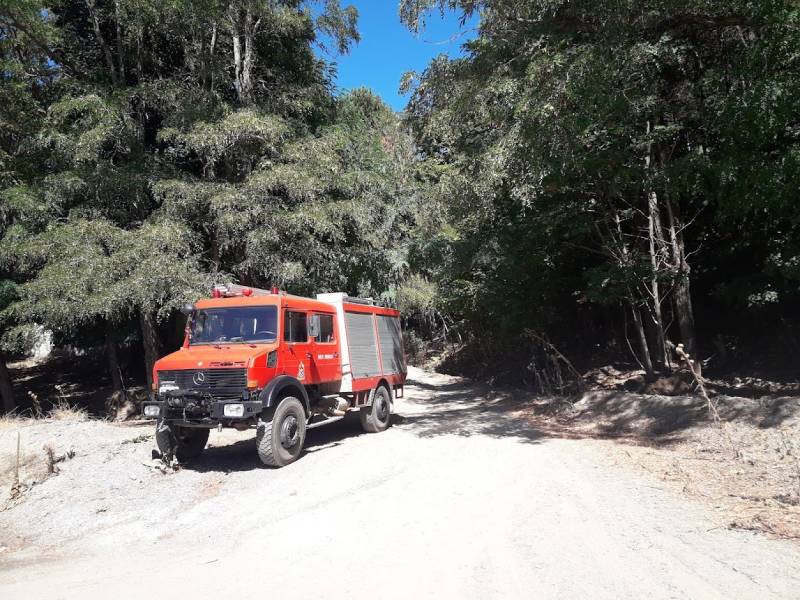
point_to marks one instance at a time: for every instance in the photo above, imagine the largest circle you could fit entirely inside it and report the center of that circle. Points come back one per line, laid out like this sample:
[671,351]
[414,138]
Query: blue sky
[387,49]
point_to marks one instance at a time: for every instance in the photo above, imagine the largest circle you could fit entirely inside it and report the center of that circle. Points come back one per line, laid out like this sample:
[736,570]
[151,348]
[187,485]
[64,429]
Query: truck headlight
[152,410]
[233,410]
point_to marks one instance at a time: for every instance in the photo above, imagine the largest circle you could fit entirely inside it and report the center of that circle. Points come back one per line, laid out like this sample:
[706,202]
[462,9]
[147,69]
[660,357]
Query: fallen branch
[555,356]
[712,406]
[698,379]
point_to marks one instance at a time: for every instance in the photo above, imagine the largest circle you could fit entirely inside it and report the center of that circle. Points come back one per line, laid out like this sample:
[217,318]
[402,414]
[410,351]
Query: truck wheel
[280,440]
[182,442]
[376,418]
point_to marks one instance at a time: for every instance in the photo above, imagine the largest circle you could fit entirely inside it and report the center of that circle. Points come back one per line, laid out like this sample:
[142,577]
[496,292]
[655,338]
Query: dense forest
[606,178]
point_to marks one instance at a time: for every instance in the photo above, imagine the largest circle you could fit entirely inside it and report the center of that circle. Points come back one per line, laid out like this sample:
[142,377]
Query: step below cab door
[326,360]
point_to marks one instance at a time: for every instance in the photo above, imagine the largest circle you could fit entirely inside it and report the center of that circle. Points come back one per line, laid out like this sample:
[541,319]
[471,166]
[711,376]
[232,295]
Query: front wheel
[181,442]
[280,440]
[376,418]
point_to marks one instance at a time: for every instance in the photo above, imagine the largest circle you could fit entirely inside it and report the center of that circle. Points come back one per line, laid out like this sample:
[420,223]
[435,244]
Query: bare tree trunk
[120,47]
[151,344]
[113,359]
[250,29]
[656,239]
[243,35]
[237,58]
[90,4]
[655,235]
[6,389]
[140,53]
[682,294]
[211,49]
[203,61]
[647,361]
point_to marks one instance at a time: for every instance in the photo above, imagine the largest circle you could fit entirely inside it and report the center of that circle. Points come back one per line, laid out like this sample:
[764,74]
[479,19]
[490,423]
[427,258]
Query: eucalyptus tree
[188,142]
[104,100]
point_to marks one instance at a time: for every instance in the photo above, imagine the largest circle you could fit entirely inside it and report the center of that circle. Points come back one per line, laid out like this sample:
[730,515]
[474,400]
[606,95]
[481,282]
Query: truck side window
[294,327]
[325,329]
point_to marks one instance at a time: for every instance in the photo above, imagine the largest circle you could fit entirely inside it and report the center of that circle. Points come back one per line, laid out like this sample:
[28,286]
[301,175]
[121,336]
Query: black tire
[182,442]
[376,418]
[280,440]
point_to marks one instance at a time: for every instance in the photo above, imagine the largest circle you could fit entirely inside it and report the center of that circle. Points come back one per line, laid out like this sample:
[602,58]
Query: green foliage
[174,145]
[564,117]
[87,270]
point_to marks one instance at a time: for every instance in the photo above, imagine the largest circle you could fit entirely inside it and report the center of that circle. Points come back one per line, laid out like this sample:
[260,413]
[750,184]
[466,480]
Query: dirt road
[459,499]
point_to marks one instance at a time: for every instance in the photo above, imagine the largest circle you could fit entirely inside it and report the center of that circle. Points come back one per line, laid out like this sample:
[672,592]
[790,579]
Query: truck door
[326,361]
[296,347]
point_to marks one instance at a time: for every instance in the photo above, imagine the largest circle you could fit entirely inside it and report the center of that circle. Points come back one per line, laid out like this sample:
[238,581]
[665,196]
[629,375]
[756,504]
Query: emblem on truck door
[301,371]
[199,378]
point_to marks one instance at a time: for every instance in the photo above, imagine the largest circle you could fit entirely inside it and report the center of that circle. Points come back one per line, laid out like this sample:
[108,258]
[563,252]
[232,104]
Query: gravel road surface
[458,499]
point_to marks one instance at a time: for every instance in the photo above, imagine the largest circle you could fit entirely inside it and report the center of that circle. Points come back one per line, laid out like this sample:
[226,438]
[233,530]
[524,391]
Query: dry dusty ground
[745,465]
[467,495]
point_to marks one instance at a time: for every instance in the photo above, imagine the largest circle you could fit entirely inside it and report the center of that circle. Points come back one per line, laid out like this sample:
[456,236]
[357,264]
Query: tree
[605,124]
[182,144]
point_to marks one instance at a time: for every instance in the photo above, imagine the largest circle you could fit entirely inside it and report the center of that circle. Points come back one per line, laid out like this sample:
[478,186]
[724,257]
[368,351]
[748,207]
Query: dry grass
[19,473]
[8,421]
[63,411]
[16,478]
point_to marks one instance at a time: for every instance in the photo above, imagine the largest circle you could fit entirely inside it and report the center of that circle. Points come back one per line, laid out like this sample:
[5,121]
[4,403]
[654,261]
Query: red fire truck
[280,363]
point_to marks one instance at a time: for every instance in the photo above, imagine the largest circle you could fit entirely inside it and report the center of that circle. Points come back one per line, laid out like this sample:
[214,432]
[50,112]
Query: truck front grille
[218,383]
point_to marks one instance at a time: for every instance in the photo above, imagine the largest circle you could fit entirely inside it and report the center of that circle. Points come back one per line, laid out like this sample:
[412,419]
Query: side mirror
[188,309]
[313,326]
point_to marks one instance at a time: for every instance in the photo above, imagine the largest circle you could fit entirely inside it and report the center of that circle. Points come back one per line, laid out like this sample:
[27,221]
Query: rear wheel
[376,418]
[280,440]
[181,442]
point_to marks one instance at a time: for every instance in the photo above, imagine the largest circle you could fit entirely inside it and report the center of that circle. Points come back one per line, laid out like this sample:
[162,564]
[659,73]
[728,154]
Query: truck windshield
[241,324]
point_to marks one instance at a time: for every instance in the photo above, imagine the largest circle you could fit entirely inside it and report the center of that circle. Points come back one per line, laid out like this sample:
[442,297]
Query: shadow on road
[464,409]
[429,410]
[241,455]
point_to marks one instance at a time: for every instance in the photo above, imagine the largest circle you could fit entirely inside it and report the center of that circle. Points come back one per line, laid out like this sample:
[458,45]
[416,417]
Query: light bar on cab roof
[233,290]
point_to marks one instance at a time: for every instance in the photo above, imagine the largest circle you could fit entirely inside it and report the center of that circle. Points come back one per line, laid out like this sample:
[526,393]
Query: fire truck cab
[279,363]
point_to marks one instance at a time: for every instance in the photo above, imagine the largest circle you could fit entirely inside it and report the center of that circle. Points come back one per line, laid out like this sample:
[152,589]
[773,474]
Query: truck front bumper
[211,413]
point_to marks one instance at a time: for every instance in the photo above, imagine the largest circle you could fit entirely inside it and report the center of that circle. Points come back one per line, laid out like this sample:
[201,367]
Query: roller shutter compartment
[391,340]
[362,346]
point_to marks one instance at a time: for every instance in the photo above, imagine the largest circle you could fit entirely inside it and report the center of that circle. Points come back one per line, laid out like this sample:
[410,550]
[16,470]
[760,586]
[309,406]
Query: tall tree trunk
[655,235]
[120,47]
[151,344]
[6,389]
[250,29]
[682,293]
[204,58]
[113,359]
[212,46]
[140,53]
[243,35]
[98,34]
[237,61]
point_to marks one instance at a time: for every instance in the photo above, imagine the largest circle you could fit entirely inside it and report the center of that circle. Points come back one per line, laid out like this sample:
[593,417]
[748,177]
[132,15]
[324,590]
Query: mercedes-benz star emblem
[199,378]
